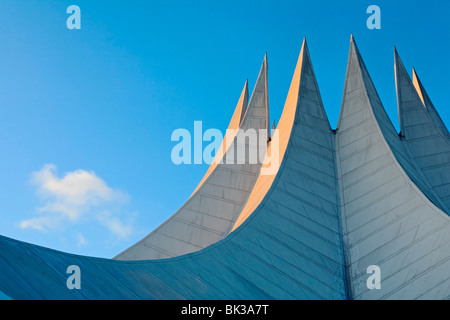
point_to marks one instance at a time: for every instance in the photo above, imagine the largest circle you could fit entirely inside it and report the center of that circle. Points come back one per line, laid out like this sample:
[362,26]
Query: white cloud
[77,195]
[81,241]
[40,223]
[116,226]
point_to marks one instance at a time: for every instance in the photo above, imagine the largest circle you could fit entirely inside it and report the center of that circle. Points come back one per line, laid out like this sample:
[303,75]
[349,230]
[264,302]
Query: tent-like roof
[339,202]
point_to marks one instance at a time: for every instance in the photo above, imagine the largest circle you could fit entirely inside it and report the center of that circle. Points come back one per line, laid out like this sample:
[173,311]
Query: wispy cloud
[41,223]
[116,226]
[77,195]
[81,241]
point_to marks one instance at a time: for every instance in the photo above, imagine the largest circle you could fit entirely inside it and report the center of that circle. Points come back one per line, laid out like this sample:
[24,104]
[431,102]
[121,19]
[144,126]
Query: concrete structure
[340,202]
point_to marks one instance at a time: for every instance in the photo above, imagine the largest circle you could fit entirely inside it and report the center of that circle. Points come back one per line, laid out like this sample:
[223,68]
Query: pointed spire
[303,104]
[272,131]
[410,106]
[358,82]
[353,81]
[240,109]
[258,106]
[423,136]
[304,73]
[234,125]
[429,105]
[312,92]
[418,85]
[245,101]
[266,101]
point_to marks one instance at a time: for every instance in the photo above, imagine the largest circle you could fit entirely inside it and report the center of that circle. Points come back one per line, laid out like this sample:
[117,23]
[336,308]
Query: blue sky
[86,115]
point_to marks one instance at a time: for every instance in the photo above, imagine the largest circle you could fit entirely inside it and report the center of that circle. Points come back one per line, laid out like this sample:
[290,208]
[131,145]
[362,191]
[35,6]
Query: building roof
[339,202]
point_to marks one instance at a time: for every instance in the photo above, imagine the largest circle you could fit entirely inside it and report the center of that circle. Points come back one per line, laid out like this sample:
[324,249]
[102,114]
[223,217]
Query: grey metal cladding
[389,222]
[423,136]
